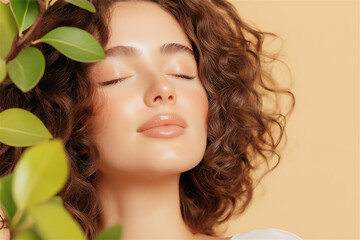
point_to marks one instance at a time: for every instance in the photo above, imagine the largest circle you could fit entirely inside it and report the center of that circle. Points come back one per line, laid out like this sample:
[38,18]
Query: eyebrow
[167,48]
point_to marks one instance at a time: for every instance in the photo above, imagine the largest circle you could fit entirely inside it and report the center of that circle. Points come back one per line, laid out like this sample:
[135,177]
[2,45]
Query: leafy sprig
[27,196]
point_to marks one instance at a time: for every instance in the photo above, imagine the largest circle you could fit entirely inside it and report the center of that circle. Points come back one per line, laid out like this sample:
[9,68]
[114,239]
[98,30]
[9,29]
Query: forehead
[143,23]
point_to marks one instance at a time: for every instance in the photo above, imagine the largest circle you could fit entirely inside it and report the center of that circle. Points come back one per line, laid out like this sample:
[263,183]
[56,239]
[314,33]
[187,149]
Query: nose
[160,91]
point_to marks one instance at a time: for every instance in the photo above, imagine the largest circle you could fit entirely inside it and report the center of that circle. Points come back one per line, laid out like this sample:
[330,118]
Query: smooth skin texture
[139,176]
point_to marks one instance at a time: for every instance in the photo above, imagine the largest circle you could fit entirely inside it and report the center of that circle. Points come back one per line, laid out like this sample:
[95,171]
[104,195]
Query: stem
[27,224]
[12,50]
[17,217]
[52,2]
[35,42]
[31,30]
[20,42]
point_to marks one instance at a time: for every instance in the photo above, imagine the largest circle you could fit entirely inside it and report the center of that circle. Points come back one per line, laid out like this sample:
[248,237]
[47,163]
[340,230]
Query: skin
[139,176]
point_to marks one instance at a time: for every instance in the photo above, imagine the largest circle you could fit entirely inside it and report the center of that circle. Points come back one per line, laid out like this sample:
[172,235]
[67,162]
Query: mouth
[163,126]
[168,131]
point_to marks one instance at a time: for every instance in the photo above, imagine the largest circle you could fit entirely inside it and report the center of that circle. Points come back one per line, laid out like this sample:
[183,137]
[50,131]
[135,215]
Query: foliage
[28,195]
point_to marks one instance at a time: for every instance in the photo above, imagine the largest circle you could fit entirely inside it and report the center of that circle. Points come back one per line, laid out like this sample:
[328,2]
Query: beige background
[315,190]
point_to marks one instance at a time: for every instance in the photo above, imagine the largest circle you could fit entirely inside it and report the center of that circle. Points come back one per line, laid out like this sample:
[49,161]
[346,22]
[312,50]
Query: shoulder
[266,234]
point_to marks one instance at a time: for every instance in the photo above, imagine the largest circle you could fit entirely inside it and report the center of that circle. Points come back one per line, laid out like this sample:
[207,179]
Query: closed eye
[111,82]
[183,76]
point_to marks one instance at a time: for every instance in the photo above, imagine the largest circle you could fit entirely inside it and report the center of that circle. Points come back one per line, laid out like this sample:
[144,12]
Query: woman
[163,135]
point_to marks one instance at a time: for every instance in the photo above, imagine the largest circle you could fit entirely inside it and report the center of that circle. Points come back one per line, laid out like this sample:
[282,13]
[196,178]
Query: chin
[171,165]
[156,158]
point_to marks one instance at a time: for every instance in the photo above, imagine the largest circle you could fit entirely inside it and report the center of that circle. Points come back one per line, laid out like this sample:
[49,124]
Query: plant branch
[30,31]
[20,42]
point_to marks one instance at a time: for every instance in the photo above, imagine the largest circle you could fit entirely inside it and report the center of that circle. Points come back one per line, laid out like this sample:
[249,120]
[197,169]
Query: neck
[144,206]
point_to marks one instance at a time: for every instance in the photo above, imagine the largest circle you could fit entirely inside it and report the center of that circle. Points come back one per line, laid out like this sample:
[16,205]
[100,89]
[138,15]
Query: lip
[163,126]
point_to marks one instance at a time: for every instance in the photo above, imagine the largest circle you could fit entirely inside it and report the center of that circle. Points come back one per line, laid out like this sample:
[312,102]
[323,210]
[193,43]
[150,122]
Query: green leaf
[8,30]
[27,68]
[113,233]
[2,70]
[20,128]
[55,200]
[7,202]
[6,199]
[54,222]
[25,13]
[84,4]
[74,43]
[40,173]
[28,234]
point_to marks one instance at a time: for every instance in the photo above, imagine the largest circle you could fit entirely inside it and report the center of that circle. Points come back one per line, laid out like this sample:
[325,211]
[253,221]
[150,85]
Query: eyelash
[183,76]
[111,82]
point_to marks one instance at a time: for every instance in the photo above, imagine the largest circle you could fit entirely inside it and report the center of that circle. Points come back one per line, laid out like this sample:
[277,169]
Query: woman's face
[149,52]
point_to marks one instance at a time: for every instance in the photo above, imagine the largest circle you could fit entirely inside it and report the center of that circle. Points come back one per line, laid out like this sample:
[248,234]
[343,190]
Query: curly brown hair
[232,68]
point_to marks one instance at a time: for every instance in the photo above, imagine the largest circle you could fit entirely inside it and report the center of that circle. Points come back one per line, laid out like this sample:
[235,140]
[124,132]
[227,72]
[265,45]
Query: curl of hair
[231,66]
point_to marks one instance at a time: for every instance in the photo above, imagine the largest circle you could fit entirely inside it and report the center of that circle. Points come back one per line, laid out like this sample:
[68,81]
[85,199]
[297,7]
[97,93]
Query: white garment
[266,234]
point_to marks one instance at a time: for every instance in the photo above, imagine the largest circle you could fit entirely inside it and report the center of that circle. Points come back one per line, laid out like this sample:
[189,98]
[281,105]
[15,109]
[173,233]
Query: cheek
[195,106]
[197,102]
[113,114]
